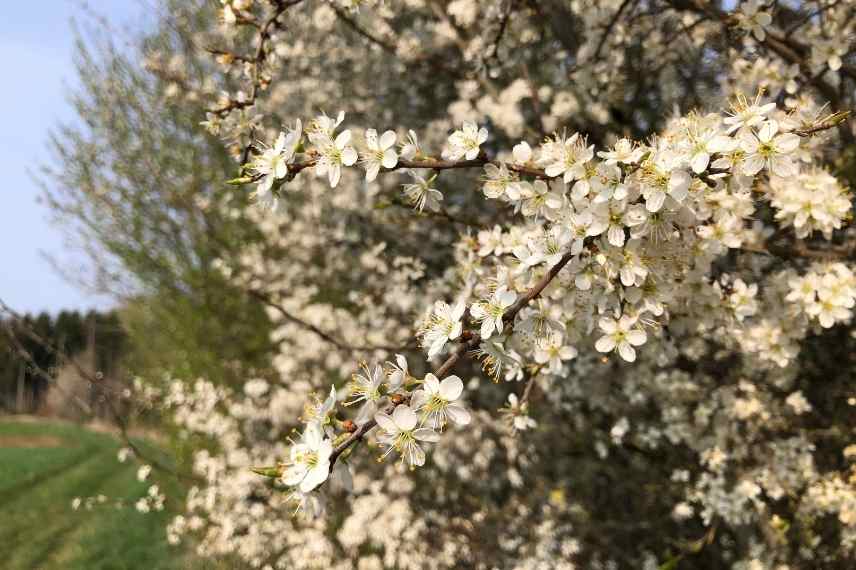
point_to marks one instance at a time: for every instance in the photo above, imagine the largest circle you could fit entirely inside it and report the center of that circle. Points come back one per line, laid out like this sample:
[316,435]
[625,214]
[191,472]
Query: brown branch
[327,337]
[351,23]
[530,384]
[257,60]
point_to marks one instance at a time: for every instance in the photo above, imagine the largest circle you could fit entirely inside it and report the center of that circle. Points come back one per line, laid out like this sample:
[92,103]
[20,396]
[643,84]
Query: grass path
[43,467]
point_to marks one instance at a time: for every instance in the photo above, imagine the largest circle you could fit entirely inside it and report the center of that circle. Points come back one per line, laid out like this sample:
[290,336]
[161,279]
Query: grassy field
[43,467]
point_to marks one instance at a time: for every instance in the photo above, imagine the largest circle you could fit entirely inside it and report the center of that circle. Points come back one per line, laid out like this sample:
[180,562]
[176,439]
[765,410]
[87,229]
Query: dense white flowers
[719,240]
[753,18]
[827,294]
[811,201]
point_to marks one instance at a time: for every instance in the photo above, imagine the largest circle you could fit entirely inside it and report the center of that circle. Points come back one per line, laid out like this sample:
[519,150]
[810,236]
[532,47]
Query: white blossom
[380,153]
[309,460]
[399,433]
[490,312]
[622,334]
[438,401]
[466,142]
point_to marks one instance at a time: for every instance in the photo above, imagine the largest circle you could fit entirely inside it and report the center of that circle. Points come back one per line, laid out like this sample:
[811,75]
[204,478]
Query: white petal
[768,131]
[787,142]
[312,435]
[349,156]
[608,325]
[626,351]
[372,170]
[436,347]
[458,414]
[334,173]
[451,388]
[325,450]
[294,474]
[636,337]
[315,477]
[404,418]
[431,384]
[390,158]
[281,169]
[366,412]
[371,139]
[415,455]
[280,143]
[387,139]
[605,344]
[752,165]
[699,162]
[457,329]
[507,298]
[615,235]
[426,434]
[554,169]
[522,152]
[655,201]
[385,422]
[343,139]
[783,166]
[722,143]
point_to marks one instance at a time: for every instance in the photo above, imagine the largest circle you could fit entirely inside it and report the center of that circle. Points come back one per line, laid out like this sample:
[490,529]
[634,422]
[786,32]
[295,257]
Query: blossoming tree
[555,284]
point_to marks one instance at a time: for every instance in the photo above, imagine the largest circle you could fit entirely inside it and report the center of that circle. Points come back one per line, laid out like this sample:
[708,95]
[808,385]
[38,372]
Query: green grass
[43,467]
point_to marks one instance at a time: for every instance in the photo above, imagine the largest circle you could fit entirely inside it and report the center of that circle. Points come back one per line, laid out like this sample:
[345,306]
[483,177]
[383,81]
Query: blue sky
[36,41]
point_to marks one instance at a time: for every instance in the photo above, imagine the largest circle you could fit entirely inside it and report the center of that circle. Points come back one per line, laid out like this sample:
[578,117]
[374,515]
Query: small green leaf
[273,472]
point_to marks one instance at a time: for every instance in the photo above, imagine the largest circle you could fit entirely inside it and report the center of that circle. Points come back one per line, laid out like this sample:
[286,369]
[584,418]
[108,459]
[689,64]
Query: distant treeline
[22,387]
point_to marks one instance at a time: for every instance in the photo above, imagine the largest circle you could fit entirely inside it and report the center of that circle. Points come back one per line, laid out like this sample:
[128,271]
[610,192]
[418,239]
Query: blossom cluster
[554,245]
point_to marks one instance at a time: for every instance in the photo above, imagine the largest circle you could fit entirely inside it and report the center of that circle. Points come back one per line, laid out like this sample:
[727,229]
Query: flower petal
[426,434]
[458,414]
[626,351]
[385,422]
[451,388]
[431,384]
[405,418]
[605,344]
[387,139]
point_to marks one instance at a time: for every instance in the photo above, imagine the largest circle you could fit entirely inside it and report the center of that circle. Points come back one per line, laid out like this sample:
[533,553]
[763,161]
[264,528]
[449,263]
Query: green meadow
[44,465]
